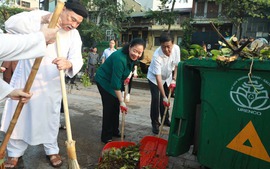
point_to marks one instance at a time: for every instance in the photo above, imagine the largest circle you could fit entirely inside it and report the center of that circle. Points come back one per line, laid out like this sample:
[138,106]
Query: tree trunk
[169,26]
[239,30]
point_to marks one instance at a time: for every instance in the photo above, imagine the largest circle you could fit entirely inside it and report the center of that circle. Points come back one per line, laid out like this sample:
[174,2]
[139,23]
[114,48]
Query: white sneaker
[127,97]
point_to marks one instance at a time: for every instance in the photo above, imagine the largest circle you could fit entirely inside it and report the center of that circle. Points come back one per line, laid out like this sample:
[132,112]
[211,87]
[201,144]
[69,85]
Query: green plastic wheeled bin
[234,122]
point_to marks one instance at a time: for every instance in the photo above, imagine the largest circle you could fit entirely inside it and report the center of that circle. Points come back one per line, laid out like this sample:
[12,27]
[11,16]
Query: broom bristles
[72,158]
[73,164]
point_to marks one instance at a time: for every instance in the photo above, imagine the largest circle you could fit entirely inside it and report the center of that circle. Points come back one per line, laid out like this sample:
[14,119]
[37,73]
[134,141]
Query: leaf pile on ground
[123,158]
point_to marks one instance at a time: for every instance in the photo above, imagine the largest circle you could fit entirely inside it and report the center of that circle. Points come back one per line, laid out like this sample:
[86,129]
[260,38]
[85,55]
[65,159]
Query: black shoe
[106,141]
[155,129]
[167,123]
[62,127]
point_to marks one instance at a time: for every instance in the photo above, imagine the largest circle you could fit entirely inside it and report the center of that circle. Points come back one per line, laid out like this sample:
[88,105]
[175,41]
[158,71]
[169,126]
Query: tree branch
[221,36]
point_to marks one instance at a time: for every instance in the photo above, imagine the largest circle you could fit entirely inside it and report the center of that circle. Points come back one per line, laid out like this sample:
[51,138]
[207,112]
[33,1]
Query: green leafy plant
[85,80]
[124,158]
[140,73]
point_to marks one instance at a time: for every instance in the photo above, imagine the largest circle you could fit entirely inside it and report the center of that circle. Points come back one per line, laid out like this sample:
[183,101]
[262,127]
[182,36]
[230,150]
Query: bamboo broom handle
[29,82]
[64,93]
[164,115]
[124,114]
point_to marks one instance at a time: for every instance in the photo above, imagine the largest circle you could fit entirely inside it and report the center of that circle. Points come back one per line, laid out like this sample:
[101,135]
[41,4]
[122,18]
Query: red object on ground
[153,152]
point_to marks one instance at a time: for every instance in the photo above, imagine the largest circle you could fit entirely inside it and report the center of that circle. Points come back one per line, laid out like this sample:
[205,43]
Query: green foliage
[188,30]
[226,51]
[197,51]
[162,17]
[124,158]
[265,53]
[110,16]
[238,11]
[140,73]
[184,54]
[6,12]
[85,80]
[85,77]
[215,53]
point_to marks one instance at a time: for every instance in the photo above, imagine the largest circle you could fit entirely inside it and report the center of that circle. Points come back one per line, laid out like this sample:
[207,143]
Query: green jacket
[112,73]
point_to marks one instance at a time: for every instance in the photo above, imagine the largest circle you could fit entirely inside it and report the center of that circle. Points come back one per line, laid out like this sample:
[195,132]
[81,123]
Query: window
[109,35]
[156,43]
[108,32]
[26,4]
[179,41]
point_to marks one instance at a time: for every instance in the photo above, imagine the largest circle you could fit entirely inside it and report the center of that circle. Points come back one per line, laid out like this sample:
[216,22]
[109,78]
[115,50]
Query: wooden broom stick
[70,143]
[64,93]
[164,115]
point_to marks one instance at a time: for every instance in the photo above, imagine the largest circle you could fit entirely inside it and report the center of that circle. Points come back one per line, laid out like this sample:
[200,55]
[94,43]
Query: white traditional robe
[14,47]
[39,119]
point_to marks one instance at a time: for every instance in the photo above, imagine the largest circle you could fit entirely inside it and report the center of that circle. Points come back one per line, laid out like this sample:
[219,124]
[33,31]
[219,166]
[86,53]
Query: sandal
[12,162]
[55,160]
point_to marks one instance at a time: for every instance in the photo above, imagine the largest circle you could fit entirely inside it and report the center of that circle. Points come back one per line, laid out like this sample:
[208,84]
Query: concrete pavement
[86,115]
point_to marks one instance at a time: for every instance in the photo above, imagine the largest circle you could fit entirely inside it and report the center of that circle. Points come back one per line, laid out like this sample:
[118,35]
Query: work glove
[123,107]
[166,102]
[126,82]
[172,85]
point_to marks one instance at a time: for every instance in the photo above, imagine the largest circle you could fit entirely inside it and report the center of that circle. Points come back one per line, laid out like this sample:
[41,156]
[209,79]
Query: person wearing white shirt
[107,52]
[22,46]
[161,78]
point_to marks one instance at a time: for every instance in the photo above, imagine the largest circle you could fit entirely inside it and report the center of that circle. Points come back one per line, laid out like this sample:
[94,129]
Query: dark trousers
[110,120]
[70,80]
[92,71]
[157,106]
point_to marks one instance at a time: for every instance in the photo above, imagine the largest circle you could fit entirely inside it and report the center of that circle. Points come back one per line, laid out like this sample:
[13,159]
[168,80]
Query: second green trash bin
[234,130]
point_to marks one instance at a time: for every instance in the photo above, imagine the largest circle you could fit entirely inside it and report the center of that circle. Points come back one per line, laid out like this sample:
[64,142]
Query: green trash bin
[234,127]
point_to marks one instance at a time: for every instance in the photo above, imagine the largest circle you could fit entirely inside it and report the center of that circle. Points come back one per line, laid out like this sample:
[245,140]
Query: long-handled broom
[28,85]
[71,150]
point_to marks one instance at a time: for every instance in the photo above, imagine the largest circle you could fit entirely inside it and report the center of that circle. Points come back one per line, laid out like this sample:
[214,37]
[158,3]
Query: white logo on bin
[251,97]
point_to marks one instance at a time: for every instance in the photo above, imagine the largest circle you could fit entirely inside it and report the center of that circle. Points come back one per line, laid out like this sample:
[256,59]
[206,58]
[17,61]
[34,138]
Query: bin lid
[263,65]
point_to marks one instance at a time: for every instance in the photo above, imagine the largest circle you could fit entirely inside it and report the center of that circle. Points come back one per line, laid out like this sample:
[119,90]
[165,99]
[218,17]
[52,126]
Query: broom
[29,82]
[71,150]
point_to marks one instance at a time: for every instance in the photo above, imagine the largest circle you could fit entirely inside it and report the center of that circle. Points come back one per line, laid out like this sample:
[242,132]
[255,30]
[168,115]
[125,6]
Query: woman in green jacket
[109,78]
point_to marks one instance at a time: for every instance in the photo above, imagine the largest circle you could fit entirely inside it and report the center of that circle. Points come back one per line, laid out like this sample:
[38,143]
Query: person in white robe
[40,117]
[22,46]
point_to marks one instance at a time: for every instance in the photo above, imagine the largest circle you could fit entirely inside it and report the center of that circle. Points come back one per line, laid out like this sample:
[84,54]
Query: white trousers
[16,148]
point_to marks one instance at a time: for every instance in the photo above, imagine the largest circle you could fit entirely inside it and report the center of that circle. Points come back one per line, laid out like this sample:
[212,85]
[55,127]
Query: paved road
[85,114]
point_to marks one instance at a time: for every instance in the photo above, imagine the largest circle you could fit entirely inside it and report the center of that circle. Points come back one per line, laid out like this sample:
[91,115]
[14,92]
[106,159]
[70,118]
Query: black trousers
[110,119]
[92,71]
[157,106]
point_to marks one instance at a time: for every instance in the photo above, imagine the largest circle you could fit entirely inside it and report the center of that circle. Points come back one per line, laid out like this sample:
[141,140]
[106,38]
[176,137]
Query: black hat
[77,7]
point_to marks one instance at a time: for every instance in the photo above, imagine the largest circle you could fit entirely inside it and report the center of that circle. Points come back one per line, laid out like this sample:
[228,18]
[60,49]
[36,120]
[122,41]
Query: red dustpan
[122,143]
[153,149]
